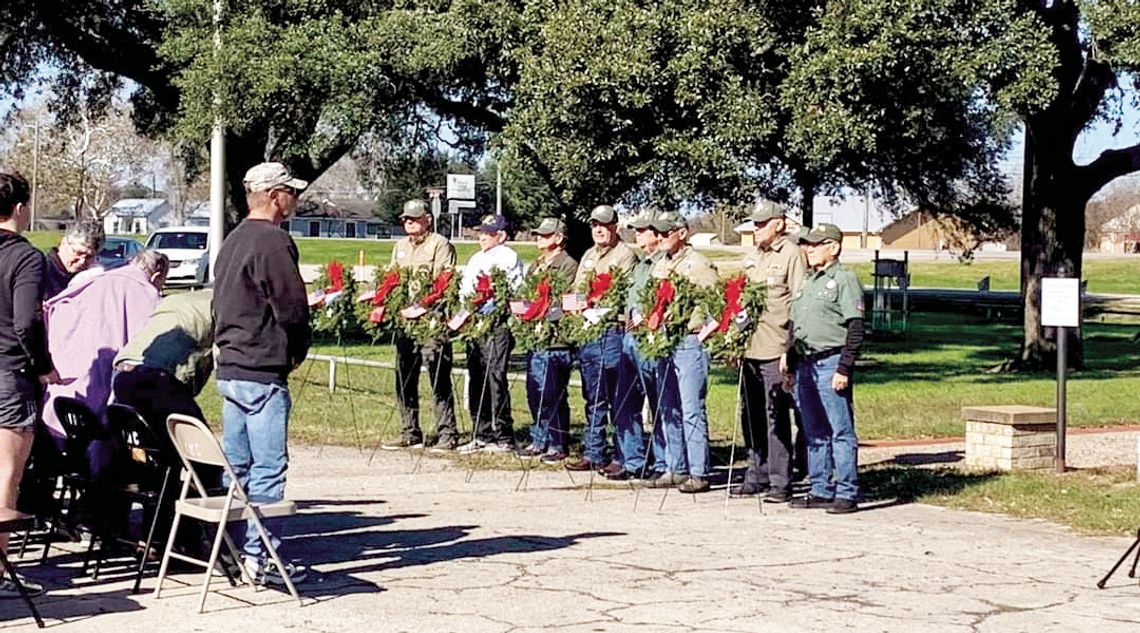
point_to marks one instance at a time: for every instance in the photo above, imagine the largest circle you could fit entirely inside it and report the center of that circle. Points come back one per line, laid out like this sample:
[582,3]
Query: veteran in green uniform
[548,370]
[778,265]
[598,360]
[690,362]
[827,327]
[423,249]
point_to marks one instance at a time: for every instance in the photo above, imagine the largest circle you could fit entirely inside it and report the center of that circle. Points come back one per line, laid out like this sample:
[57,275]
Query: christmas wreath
[665,307]
[332,314]
[485,309]
[430,301]
[378,309]
[603,305]
[735,305]
[538,317]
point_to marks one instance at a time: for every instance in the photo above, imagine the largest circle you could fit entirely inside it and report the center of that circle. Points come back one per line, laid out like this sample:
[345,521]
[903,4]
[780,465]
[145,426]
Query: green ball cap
[822,233]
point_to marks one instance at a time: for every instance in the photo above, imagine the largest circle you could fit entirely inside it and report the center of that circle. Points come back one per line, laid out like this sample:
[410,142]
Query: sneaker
[553,458]
[811,502]
[401,444]
[694,485]
[668,480]
[777,496]
[265,572]
[748,489]
[8,588]
[624,475]
[474,446]
[443,446]
[843,506]
[499,447]
[530,452]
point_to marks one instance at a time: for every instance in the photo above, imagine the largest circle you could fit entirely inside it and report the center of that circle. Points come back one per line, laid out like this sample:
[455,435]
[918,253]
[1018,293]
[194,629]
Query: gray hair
[89,233]
[153,262]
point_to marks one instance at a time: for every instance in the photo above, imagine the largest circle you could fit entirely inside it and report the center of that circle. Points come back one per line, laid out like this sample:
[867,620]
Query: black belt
[814,356]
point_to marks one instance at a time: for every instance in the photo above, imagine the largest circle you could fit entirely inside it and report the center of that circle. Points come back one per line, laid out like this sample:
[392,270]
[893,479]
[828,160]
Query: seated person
[87,324]
[76,253]
[159,372]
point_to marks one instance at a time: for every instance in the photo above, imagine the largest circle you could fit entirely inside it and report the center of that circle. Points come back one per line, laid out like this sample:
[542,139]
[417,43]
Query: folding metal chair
[148,475]
[12,521]
[196,444]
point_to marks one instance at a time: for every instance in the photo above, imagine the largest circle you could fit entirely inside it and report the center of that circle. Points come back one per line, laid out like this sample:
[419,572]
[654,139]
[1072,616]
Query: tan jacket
[781,270]
[432,252]
[618,257]
[695,267]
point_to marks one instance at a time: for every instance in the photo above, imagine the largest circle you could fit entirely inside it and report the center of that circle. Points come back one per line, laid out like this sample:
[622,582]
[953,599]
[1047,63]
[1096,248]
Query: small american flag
[574,302]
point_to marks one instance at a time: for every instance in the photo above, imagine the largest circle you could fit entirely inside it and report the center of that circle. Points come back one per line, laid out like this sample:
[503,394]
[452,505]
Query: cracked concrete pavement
[447,549]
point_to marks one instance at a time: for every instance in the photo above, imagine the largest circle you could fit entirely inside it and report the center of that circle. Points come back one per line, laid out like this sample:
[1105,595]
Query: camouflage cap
[822,233]
[604,214]
[766,210]
[414,209]
[669,220]
[643,220]
[549,226]
[268,176]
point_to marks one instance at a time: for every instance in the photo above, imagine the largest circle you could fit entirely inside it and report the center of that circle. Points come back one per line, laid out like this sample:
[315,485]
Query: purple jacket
[87,324]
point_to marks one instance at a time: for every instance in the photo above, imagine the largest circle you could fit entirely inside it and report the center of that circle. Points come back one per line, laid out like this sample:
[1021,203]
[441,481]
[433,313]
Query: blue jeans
[598,361]
[255,421]
[829,421]
[547,394]
[657,383]
[629,433]
[691,364]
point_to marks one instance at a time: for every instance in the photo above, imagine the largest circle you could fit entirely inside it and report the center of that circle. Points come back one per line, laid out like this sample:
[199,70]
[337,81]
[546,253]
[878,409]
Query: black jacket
[56,276]
[23,340]
[261,311]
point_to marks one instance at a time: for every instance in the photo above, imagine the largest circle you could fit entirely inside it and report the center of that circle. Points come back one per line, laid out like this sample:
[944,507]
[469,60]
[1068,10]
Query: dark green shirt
[639,278]
[828,299]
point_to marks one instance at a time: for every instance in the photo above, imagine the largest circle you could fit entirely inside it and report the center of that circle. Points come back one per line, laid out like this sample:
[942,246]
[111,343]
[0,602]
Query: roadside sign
[460,187]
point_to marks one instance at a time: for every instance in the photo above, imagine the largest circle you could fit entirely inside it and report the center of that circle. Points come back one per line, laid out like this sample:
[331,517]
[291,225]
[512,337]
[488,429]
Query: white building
[136,216]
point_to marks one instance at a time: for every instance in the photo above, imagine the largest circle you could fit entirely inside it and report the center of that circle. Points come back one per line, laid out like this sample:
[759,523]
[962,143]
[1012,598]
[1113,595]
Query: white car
[188,248]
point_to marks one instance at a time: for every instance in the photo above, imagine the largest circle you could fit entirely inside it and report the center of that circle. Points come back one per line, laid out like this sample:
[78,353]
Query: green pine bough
[605,293]
[541,326]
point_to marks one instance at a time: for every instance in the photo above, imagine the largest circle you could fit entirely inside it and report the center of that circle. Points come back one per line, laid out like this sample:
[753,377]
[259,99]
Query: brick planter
[1010,437]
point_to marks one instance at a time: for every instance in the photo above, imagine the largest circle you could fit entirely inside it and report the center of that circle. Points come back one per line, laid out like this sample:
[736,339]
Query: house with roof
[1121,235]
[136,216]
[339,218]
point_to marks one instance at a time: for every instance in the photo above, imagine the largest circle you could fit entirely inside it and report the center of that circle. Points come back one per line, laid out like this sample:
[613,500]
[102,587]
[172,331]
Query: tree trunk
[1052,240]
[808,184]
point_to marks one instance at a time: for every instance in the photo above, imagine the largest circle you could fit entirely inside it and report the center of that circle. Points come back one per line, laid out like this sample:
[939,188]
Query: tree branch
[109,48]
[1110,165]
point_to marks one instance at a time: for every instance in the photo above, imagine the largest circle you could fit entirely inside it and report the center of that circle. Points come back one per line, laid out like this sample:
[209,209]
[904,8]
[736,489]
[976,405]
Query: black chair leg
[150,531]
[23,592]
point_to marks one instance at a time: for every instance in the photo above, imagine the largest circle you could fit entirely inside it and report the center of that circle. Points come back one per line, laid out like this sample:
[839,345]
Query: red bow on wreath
[484,290]
[732,292]
[336,276]
[598,287]
[438,287]
[387,284]
[665,294]
[541,304]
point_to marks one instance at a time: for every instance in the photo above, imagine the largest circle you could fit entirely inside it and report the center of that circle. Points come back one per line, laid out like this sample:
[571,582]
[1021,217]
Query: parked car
[188,248]
[117,251]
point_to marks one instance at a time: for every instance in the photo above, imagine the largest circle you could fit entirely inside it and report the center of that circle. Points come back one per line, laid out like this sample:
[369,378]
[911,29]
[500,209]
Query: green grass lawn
[1095,501]
[1110,276]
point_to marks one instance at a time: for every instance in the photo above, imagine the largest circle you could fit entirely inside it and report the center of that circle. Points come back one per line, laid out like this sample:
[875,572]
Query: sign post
[1061,308]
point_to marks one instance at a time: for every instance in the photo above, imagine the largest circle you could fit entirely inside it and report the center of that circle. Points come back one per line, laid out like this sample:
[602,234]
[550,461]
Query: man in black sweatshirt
[25,365]
[261,316]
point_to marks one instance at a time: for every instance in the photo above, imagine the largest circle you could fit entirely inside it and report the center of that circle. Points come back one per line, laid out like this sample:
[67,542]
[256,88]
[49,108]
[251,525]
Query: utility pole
[35,171]
[217,158]
[498,189]
[866,216]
